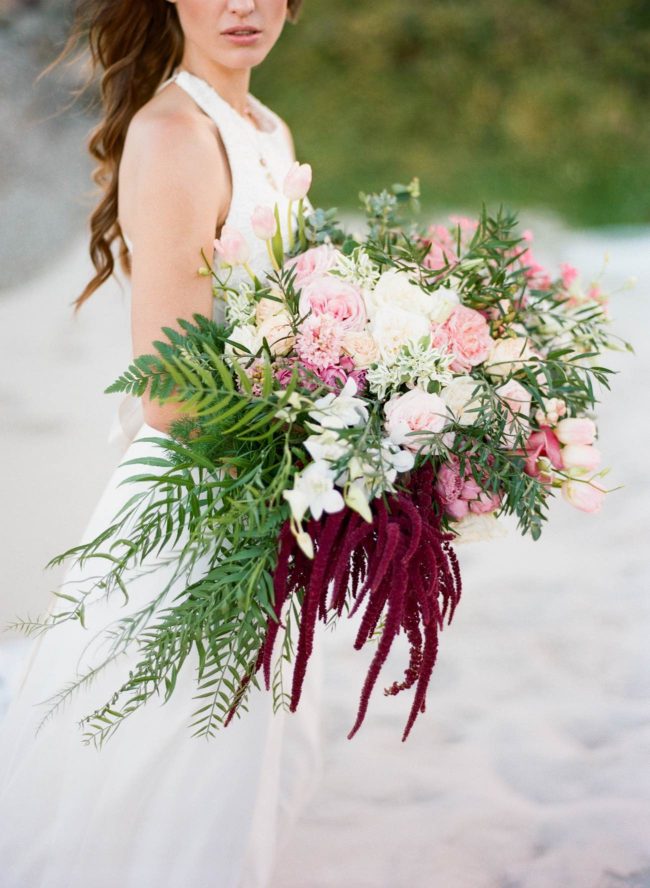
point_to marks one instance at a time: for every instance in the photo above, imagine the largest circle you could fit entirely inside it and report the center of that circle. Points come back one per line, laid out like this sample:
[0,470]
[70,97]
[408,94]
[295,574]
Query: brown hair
[135,44]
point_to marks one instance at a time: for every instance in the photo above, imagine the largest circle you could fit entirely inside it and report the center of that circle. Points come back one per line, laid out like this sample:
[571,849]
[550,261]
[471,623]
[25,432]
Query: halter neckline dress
[156,807]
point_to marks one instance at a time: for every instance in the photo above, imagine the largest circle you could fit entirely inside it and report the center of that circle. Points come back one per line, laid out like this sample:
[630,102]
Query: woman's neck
[232,85]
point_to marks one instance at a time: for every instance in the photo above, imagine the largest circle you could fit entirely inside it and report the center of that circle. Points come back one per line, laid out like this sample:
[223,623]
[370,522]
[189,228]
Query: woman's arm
[177,192]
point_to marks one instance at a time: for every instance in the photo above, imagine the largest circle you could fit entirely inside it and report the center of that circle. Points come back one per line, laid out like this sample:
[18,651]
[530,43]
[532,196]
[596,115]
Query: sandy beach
[530,767]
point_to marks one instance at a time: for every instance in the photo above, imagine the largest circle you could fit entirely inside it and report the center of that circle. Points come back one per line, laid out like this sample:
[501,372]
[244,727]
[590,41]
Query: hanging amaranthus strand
[401,566]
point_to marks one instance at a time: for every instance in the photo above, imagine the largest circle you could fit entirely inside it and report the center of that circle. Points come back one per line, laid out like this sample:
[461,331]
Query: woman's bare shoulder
[172,146]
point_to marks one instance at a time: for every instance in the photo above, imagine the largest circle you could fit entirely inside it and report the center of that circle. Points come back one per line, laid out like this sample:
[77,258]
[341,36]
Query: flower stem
[290,225]
[274,261]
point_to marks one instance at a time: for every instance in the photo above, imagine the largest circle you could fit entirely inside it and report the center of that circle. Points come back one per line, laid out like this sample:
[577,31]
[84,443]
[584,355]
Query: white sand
[530,767]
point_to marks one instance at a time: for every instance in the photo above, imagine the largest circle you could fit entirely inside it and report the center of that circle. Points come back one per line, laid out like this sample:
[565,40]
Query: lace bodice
[259,160]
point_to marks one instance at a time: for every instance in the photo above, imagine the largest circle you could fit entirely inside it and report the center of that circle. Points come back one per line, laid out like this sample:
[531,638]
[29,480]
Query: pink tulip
[580,456]
[575,430]
[542,444]
[231,247]
[298,181]
[584,495]
[264,223]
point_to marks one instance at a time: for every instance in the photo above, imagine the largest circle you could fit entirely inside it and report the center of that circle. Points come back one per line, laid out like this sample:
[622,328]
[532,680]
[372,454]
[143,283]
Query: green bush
[530,102]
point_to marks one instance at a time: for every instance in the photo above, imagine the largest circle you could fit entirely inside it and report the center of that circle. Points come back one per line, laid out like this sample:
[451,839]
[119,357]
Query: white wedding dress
[156,807]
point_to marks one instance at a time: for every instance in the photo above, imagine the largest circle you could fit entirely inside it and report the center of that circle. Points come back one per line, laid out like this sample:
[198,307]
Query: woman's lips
[242,36]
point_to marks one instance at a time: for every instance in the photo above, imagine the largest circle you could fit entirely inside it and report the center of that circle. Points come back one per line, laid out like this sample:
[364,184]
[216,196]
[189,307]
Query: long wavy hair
[134,45]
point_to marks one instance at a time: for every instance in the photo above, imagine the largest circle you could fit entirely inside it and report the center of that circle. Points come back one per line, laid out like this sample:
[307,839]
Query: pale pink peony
[264,223]
[584,495]
[320,340]
[331,295]
[576,430]
[466,334]
[415,411]
[297,181]
[232,247]
[313,263]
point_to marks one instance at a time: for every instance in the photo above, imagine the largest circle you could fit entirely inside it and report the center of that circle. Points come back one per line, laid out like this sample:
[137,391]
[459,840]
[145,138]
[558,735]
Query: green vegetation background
[537,103]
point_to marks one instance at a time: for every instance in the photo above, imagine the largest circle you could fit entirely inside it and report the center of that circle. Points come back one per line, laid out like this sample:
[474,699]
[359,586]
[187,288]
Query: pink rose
[264,223]
[231,247]
[574,430]
[461,494]
[449,483]
[584,495]
[298,181]
[415,411]
[333,296]
[466,334]
[312,263]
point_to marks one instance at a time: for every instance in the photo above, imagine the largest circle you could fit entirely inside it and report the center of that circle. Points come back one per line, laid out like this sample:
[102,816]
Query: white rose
[393,328]
[362,348]
[415,411]
[443,302]
[508,355]
[277,331]
[267,307]
[477,527]
[394,289]
[458,398]
[245,336]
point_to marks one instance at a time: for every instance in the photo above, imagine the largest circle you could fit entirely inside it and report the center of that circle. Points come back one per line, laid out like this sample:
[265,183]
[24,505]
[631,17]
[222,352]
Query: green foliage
[528,102]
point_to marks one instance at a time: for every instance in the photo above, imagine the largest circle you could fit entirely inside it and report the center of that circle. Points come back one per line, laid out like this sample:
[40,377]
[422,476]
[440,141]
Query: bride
[183,148]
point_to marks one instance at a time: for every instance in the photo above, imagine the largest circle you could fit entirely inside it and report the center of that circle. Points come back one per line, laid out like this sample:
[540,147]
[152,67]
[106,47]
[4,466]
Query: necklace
[248,118]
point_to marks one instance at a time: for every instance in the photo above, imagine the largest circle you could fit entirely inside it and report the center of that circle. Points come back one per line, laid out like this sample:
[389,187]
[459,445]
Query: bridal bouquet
[368,403]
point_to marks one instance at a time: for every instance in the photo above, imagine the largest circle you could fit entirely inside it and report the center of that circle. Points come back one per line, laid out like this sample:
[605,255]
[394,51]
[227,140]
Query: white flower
[509,355]
[416,364]
[393,328]
[443,301]
[342,410]
[361,347]
[478,527]
[413,412]
[327,445]
[278,333]
[243,342]
[357,268]
[394,289]
[458,398]
[357,497]
[240,306]
[314,489]
[399,460]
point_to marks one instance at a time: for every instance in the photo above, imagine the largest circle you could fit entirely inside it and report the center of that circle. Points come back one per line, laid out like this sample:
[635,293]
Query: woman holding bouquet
[183,150]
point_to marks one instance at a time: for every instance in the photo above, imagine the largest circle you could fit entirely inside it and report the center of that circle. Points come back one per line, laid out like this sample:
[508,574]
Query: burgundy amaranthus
[401,564]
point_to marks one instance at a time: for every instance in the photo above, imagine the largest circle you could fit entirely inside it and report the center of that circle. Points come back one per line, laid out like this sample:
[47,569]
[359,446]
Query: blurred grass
[536,103]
